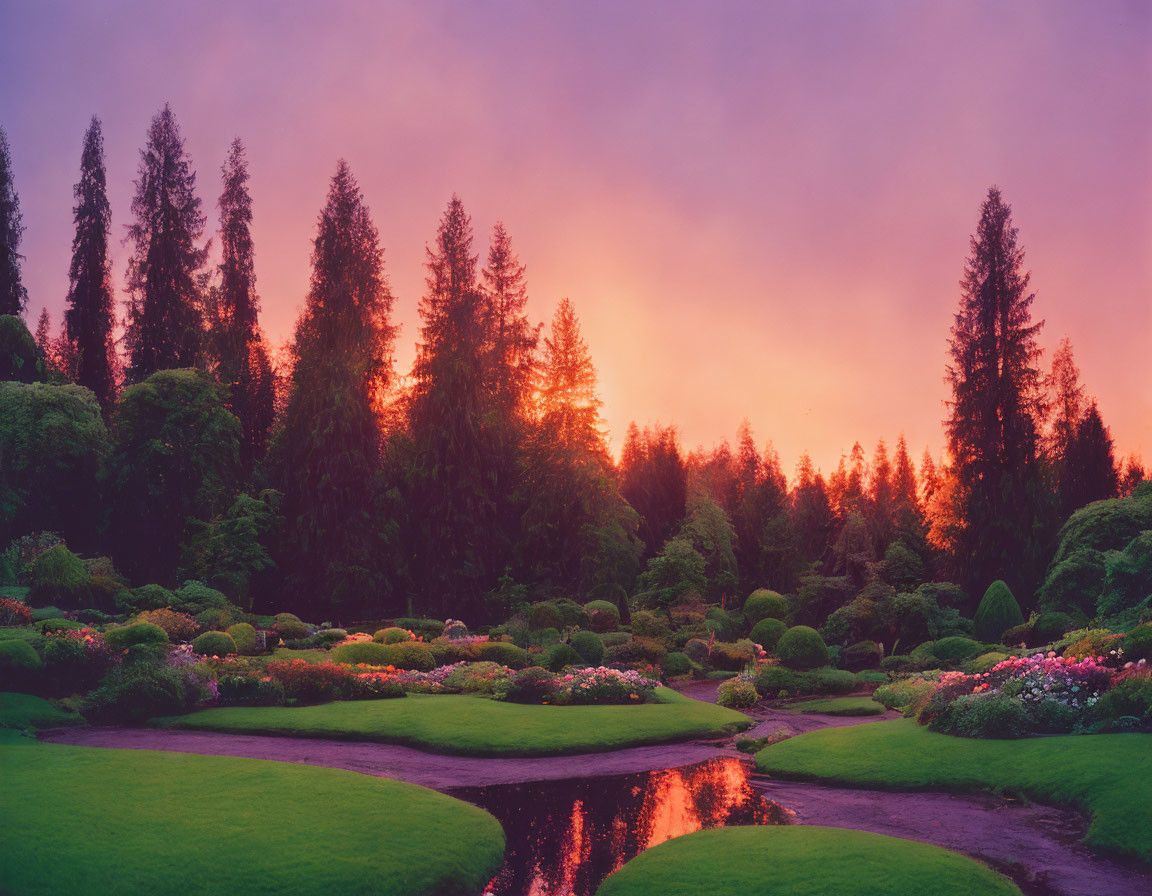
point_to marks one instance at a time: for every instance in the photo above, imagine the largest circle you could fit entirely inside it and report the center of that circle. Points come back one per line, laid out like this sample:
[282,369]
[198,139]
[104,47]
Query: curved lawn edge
[475,726]
[152,822]
[1106,776]
[801,860]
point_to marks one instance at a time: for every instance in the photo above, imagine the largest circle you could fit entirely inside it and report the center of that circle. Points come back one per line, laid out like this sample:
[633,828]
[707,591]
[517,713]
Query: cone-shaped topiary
[998,612]
[802,647]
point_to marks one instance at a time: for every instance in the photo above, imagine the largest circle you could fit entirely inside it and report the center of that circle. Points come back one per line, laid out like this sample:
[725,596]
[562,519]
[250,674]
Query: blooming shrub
[76,659]
[1098,642]
[478,678]
[602,685]
[14,612]
[307,682]
[249,690]
[454,629]
[531,685]
[178,626]
[737,693]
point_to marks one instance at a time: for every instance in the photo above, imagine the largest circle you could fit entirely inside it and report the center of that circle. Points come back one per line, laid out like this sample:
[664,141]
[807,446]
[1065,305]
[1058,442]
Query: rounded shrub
[765,604]
[861,655]
[17,658]
[771,680]
[504,653]
[392,635]
[767,632]
[245,637]
[956,649]
[124,636]
[367,652]
[178,626]
[408,655]
[558,656]
[602,615]
[998,612]
[737,693]
[195,597]
[589,646]
[727,626]
[544,615]
[827,680]
[329,636]
[802,647]
[426,628]
[543,637]
[146,597]
[59,625]
[214,644]
[677,663]
[1051,627]
[1138,643]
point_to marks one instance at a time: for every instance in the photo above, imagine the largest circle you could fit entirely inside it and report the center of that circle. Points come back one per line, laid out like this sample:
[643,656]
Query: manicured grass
[1107,775]
[841,706]
[84,820]
[480,727]
[26,711]
[801,860]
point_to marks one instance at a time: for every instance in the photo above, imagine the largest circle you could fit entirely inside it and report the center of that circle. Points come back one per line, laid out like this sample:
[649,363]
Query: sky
[760,210]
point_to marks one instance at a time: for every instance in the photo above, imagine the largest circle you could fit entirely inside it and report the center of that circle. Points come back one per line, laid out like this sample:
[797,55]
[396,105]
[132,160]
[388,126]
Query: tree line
[483,479]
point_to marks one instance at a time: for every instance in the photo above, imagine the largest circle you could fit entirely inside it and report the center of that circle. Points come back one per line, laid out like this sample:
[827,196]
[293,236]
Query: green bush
[956,649]
[737,693]
[984,662]
[1130,699]
[125,636]
[135,692]
[998,612]
[861,655]
[409,655]
[589,646]
[1051,627]
[764,604]
[504,653]
[767,632]
[904,693]
[146,597]
[290,628]
[556,657]
[249,690]
[479,678]
[827,680]
[20,359]
[426,628]
[18,663]
[214,644]
[194,598]
[245,637]
[983,715]
[367,652]
[543,637]
[615,639]
[1138,643]
[531,685]
[650,624]
[59,625]
[392,635]
[329,636]
[544,615]
[677,663]
[899,662]
[58,577]
[602,615]
[727,626]
[771,680]
[801,647]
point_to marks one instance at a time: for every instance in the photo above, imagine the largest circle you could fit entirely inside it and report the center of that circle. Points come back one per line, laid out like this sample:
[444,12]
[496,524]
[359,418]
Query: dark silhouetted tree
[13,295]
[164,326]
[88,315]
[812,517]
[996,401]
[1090,465]
[653,480]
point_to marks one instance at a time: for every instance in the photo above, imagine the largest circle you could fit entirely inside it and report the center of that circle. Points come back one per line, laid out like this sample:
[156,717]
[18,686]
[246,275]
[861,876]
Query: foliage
[124,636]
[20,359]
[307,682]
[134,692]
[231,552]
[905,693]
[676,663]
[737,693]
[1138,643]
[801,647]
[589,647]
[559,656]
[841,706]
[214,644]
[767,632]
[998,611]
[195,597]
[765,604]
[146,597]
[602,615]
[19,664]
[290,628]
[367,652]
[772,680]
[677,571]
[503,653]
[245,637]
[178,626]
[392,635]
[249,690]
[14,612]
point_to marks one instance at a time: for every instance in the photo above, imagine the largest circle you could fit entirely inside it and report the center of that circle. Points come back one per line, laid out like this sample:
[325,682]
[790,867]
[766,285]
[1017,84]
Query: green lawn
[1107,775]
[841,706]
[801,860]
[478,726]
[26,711]
[83,820]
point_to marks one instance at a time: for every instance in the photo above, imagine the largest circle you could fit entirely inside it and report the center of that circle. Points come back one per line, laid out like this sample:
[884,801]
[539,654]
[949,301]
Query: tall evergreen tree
[512,339]
[992,428]
[1090,472]
[164,326]
[881,500]
[13,295]
[88,317]
[654,481]
[329,450]
[240,355]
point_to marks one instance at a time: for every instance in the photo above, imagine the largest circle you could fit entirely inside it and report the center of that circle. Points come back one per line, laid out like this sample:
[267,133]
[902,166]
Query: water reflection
[565,837]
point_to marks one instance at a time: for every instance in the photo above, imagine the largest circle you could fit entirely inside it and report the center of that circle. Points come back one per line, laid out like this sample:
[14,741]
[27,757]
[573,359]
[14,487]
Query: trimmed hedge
[125,636]
[802,647]
[392,635]
[589,646]
[245,637]
[556,657]
[367,652]
[767,632]
[502,652]
[602,615]
[214,644]
[765,604]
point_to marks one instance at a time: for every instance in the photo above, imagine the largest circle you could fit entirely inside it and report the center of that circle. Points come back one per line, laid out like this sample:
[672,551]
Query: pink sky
[759,210]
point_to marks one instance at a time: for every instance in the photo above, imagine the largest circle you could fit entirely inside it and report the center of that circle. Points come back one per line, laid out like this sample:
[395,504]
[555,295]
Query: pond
[565,837]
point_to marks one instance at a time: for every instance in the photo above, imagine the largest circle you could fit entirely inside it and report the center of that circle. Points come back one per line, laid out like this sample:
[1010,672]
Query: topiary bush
[727,626]
[125,636]
[367,652]
[765,604]
[290,628]
[329,636]
[602,615]
[543,637]
[543,616]
[19,664]
[214,644]
[556,657]
[504,653]
[861,655]
[767,632]
[737,693]
[146,597]
[177,626]
[195,597]
[991,715]
[956,649]
[425,628]
[245,637]
[410,655]
[801,647]
[827,680]
[392,635]
[589,646]
[677,663]
[772,680]
[998,612]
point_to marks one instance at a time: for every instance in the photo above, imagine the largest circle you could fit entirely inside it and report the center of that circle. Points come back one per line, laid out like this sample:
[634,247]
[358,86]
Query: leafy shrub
[1094,642]
[650,624]
[20,359]
[307,682]
[392,635]
[615,639]
[59,625]
[771,680]
[956,649]
[983,715]
[726,625]
[330,636]
[905,693]
[1138,643]
[14,612]
[602,615]
[764,604]
[697,651]
[58,577]
[478,678]
[146,597]
[123,637]
[531,685]
[732,657]
[368,653]
[409,655]
[214,644]
[502,652]
[899,662]
[177,626]
[249,690]
[544,615]
[543,637]
[827,680]
[602,686]
[589,647]
[677,663]
[998,612]
[737,693]
[245,637]
[861,655]
[984,663]
[195,597]
[290,628]
[558,656]
[19,664]
[134,692]
[629,653]
[801,647]
[767,632]
[1131,698]
[218,619]
[425,628]
[1052,626]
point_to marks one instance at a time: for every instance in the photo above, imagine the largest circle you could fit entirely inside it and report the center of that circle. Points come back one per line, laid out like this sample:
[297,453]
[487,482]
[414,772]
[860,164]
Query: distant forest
[316,479]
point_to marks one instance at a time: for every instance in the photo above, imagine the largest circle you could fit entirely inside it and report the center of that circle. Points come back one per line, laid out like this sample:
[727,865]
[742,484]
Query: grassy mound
[1107,775]
[841,706]
[801,860]
[476,726]
[132,821]
[25,711]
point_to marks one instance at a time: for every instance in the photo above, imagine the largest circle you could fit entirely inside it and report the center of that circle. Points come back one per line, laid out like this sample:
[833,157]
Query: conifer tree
[512,339]
[164,326]
[13,295]
[88,316]
[1090,472]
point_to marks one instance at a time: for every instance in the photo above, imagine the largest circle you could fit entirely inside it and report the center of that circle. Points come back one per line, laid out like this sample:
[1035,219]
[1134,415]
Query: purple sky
[759,210]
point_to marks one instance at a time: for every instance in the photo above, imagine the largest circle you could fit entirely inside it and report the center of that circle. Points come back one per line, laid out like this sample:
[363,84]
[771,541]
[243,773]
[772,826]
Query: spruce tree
[164,326]
[1090,472]
[13,295]
[512,339]
[88,316]
[996,401]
